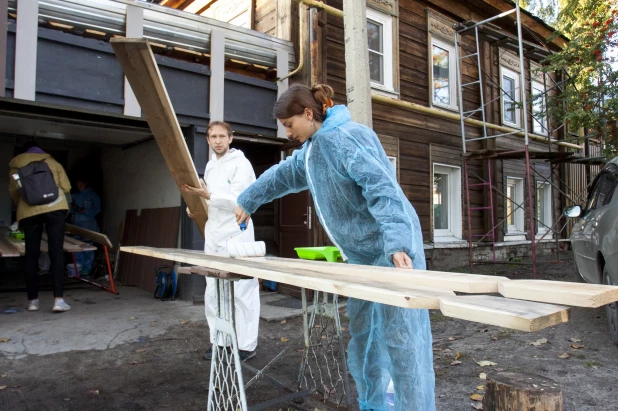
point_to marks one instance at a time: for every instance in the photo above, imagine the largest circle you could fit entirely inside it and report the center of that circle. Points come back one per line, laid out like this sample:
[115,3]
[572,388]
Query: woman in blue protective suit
[367,216]
[85,206]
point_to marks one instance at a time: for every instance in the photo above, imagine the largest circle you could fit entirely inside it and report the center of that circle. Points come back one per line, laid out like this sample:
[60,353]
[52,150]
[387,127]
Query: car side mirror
[572,211]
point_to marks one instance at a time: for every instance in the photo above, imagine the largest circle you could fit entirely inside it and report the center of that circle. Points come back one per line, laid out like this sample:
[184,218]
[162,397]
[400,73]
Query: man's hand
[241,215]
[402,260]
[202,191]
[189,214]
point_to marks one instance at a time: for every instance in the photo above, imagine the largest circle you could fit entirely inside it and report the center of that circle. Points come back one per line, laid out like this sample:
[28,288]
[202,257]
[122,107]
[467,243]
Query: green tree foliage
[590,97]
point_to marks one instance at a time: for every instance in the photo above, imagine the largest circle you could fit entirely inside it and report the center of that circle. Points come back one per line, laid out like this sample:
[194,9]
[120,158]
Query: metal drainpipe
[313,40]
[301,51]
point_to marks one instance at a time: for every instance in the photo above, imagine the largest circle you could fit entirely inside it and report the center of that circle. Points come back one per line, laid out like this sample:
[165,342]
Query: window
[380,42]
[539,120]
[447,203]
[443,74]
[510,97]
[514,205]
[543,207]
[602,191]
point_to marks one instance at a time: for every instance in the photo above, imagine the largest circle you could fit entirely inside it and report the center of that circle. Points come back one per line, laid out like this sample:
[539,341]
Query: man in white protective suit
[228,173]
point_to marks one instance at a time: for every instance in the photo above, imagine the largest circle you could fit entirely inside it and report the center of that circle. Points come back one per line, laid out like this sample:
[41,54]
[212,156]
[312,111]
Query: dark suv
[594,239]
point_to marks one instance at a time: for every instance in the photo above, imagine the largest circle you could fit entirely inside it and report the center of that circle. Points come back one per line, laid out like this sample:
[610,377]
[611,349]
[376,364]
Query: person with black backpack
[38,184]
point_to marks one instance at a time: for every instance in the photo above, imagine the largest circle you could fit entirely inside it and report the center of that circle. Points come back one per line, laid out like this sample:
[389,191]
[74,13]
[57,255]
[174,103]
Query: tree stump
[510,391]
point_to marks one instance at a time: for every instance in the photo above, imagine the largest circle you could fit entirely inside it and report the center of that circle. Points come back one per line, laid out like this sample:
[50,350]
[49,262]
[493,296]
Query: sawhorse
[323,373]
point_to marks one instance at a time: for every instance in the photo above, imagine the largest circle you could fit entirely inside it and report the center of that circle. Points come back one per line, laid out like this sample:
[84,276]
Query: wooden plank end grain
[89,235]
[559,292]
[504,312]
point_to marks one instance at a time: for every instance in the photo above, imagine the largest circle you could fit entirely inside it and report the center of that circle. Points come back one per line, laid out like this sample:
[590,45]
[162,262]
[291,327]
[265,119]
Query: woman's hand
[202,191]
[241,215]
[191,216]
[402,260]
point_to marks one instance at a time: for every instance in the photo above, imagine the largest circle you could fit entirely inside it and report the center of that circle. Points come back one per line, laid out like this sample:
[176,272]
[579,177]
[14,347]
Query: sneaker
[246,355]
[61,306]
[208,354]
[33,305]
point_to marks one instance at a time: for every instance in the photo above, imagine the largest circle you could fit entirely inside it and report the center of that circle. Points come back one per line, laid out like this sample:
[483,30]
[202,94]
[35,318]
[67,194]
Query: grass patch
[593,364]
[437,316]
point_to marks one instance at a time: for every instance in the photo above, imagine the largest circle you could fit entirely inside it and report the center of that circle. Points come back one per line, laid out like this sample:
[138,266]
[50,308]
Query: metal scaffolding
[495,36]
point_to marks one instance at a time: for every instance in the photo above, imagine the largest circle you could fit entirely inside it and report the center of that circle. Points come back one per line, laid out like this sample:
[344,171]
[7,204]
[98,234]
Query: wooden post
[134,28]
[4,7]
[358,88]
[283,60]
[510,391]
[26,49]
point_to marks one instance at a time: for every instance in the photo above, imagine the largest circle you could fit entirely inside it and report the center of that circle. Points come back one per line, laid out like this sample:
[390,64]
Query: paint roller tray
[330,254]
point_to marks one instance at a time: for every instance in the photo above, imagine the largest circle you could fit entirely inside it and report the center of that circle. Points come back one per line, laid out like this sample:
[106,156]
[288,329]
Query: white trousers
[247,311]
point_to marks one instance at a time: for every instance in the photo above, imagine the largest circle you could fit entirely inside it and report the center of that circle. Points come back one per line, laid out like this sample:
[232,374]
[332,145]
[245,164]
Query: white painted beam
[358,87]
[134,29]
[26,49]
[282,71]
[217,75]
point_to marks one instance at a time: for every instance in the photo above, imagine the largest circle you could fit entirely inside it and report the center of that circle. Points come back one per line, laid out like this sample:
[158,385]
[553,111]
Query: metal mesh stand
[226,391]
[323,366]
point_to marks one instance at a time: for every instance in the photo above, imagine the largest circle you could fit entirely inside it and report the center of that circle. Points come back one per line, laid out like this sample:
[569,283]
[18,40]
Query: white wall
[6,154]
[133,179]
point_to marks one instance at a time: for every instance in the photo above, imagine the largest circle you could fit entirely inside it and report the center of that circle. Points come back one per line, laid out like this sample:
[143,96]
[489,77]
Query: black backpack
[37,184]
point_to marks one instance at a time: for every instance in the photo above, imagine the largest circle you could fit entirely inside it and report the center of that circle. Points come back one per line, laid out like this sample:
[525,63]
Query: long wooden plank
[140,68]
[504,312]
[458,282]
[559,292]
[500,311]
[19,245]
[71,245]
[7,249]
[387,293]
[90,235]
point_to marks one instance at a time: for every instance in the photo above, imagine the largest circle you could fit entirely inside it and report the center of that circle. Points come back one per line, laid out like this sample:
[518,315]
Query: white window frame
[453,77]
[539,126]
[386,21]
[517,228]
[544,226]
[515,76]
[454,231]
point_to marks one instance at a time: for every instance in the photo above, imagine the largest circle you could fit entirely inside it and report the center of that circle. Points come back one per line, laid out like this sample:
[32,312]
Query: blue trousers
[391,342]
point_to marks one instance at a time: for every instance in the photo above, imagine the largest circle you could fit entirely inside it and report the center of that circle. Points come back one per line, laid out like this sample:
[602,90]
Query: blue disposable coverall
[91,203]
[367,216]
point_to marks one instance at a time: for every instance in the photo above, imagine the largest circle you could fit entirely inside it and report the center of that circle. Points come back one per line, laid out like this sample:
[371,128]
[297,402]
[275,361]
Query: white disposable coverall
[225,179]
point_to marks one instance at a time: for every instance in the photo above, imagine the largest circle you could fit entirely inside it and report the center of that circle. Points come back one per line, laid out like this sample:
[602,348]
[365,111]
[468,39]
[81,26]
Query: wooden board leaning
[140,67]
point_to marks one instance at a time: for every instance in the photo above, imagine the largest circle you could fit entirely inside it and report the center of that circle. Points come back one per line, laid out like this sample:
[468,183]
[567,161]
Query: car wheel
[611,309]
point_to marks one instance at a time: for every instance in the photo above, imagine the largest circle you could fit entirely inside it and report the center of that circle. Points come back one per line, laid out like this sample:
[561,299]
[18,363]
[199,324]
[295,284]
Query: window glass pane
[440,201]
[374,36]
[441,91]
[508,85]
[510,191]
[538,107]
[606,191]
[375,67]
[540,207]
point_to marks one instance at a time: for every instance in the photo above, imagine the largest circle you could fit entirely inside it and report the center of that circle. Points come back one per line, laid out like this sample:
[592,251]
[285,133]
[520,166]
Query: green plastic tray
[18,235]
[330,254]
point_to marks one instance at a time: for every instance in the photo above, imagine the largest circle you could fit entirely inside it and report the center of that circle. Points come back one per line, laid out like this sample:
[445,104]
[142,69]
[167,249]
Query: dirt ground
[167,371]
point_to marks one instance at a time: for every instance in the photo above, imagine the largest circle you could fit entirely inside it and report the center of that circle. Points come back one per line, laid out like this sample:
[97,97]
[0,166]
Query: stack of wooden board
[525,305]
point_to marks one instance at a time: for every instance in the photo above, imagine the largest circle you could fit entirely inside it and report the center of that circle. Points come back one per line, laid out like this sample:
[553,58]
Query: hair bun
[322,93]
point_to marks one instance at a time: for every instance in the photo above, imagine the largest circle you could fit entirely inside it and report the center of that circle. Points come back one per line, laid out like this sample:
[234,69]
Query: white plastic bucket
[71,269]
